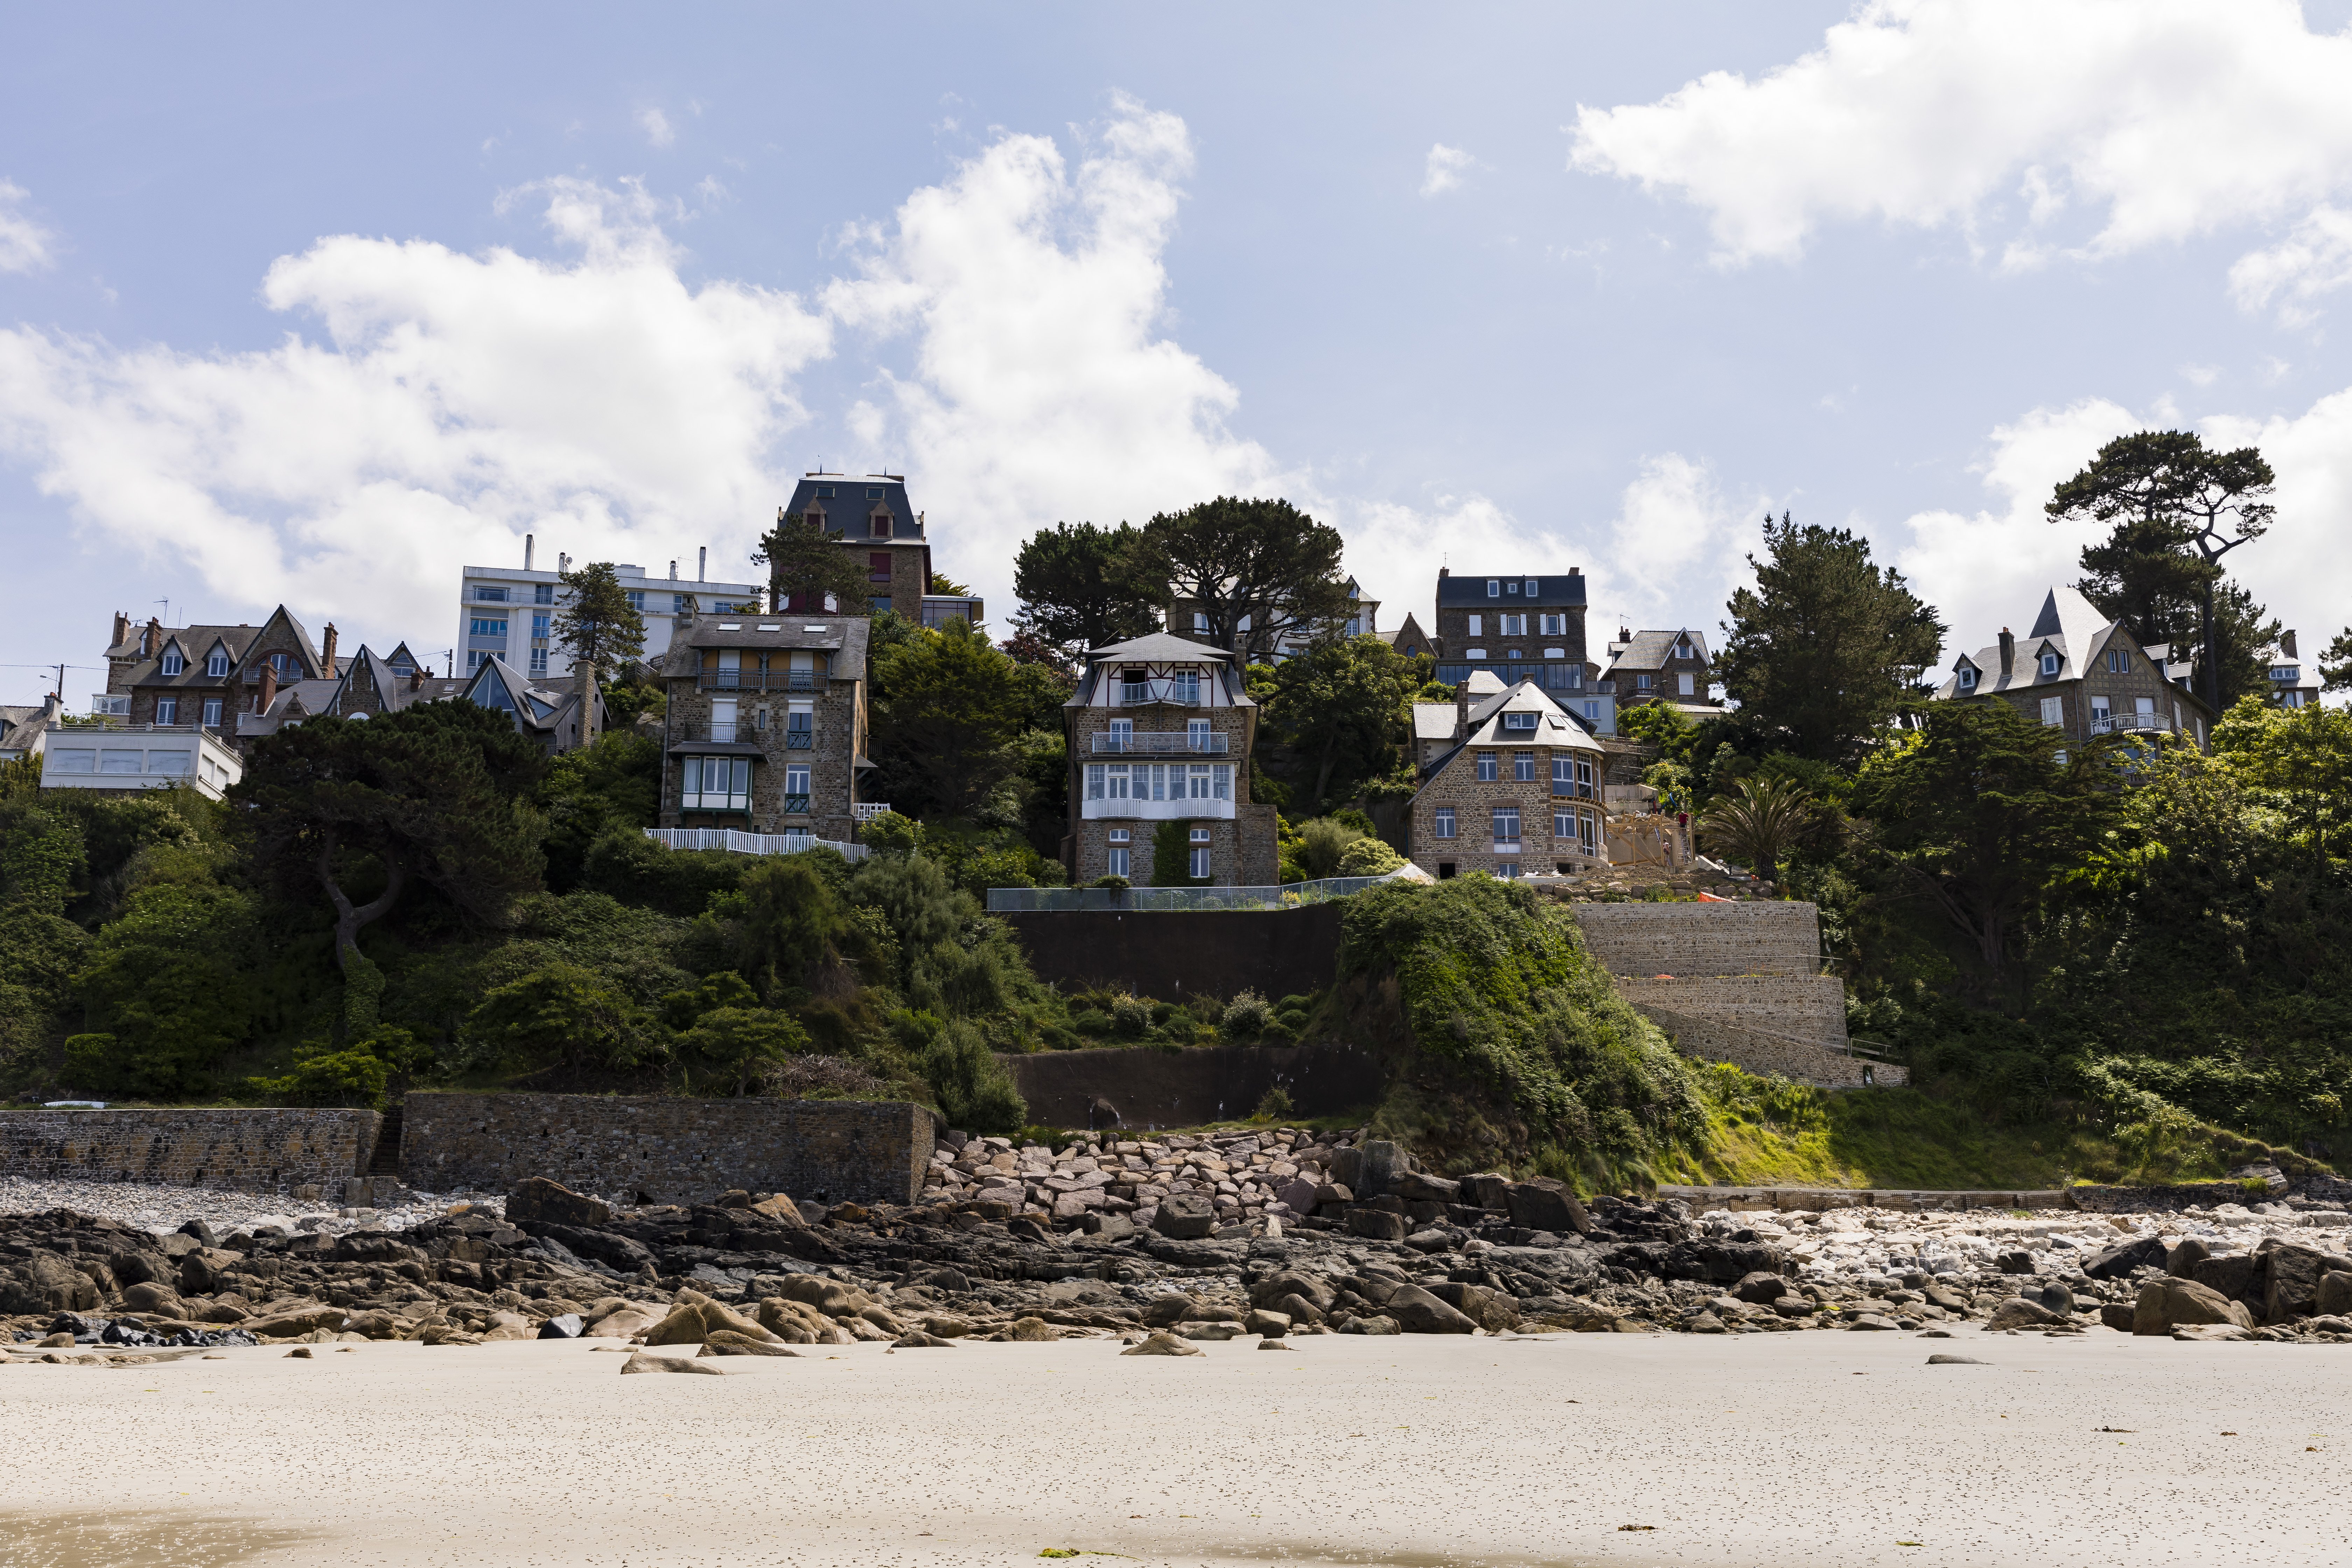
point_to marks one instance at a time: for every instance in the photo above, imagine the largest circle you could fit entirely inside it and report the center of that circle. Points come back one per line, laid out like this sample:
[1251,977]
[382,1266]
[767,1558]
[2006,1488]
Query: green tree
[738,1042]
[2298,763]
[1346,709]
[2242,638]
[1323,844]
[2165,490]
[1263,562]
[947,710]
[595,622]
[1827,648]
[1976,814]
[43,857]
[2143,575]
[1077,591]
[432,792]
[166,994]
[791,920]
[974,1091]
[563,1016]
[1758,821]
[613,782]
[809,564]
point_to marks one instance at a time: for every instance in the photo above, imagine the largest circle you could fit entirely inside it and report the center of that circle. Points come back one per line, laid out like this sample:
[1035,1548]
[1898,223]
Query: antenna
[167,610]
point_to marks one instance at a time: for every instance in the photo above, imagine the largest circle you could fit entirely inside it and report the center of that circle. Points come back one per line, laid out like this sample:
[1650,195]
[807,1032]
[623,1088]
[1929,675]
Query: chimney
[2286,646]
[121,630]
[1624,633]
[1443,573]
[563,562]
[327,653]
[527,544]
[583,681]
[151,641]
[673,571]
[2008,651]
[1576,571]
[268,692]
[702,564]
[1462,712]
[415,677]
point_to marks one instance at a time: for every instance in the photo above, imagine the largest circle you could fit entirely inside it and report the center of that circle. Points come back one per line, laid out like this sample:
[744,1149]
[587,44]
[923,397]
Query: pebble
[164,1209]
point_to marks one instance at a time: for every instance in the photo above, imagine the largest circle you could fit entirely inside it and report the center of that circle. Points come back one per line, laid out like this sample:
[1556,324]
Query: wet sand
[1783,1449]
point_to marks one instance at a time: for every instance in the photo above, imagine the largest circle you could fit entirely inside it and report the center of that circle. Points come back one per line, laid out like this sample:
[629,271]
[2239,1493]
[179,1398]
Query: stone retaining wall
[1175,954]
[1789,1024]
[1817,1199]
[1152,1088]
[1704,938]
[664,1149]
[243,1149]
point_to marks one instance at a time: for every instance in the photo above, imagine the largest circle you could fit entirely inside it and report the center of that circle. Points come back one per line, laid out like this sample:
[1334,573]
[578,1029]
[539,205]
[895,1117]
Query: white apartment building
[506,614]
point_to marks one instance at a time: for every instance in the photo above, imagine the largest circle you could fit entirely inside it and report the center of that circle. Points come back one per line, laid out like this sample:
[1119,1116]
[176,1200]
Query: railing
[868,810]
[938,610]
[1178,693]
[800,740]
[742,843]
[759,680]
[2107,726]
[1563,789]
[796,806]
[717,735]
[1159,743]
[108,724]
[1174,900]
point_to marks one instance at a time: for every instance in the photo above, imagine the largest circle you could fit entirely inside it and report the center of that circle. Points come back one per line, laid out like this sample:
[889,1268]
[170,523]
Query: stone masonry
[781,693]
[245,1149]
[664,1149]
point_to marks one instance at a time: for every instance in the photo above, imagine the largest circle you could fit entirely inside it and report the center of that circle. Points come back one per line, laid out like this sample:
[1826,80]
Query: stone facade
[242,1150]
[2083,675]
[1660,667]
[1549,773]
[668,1149]
[1159,731]
[1499,624]
[871,516]
[261,663]
[1692,939]
[765,697]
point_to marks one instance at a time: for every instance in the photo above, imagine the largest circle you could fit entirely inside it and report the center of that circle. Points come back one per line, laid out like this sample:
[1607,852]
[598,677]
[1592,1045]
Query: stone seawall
[663,1149]
[241,1149]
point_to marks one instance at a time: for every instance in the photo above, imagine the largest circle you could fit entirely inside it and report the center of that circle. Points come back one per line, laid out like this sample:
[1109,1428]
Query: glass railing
[1155,742]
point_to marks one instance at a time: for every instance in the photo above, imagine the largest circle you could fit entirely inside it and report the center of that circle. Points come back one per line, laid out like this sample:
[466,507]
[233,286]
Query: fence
[742,843]
[1165,900]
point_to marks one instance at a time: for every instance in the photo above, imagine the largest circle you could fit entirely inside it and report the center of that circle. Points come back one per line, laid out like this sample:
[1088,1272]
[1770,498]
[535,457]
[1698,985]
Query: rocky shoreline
[1161,1242]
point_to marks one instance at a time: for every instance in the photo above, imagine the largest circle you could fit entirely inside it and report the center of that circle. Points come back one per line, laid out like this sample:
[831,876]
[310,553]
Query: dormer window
[283,663]
[1513,588]
[825,492]
[172,662]
[2049,664]
[1494,587]
[216,663]
[1531,587]
[1967,680]
[2120,660]
[881,521]
[1518,721]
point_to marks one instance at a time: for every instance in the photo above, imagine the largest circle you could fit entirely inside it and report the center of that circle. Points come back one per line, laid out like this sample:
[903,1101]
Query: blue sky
[298,307]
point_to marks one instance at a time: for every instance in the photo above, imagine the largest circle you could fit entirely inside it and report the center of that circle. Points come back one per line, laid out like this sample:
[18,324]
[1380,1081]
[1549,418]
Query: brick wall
[245,1149]
[668,1149]
[1690,940]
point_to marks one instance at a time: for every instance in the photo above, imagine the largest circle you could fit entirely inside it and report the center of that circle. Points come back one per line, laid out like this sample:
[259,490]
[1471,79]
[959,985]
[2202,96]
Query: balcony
[868,810]
[1562,789]
[800,740]
[939,609]
[1132,809]
[796,806]
[1159,743]
[738,732]
[759,681]
[2108,725]
[1177,693]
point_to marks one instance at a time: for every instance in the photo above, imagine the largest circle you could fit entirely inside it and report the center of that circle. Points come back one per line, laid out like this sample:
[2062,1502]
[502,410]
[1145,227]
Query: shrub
[1322,840]
[166,992]
[627,866]
[1273,1106]
[740,1043]
[1245,1017]
[323,1076]
[974,1091]
[563,1016]
[890,834]
[1131,1016]
[1114,884]
[1369,857]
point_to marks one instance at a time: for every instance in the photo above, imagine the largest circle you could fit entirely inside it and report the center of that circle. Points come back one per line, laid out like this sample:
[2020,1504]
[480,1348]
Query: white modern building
[122,759]
[507,613]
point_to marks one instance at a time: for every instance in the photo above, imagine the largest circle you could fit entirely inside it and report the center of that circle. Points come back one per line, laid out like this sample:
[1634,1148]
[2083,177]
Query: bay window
[716,784]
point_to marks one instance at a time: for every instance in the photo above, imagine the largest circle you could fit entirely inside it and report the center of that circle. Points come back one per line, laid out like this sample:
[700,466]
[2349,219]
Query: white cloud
[455,403]
[657,127]
[2201,375]
[2172,118]
[2315,259]
[1676,550]
[1444,170]
[25,245]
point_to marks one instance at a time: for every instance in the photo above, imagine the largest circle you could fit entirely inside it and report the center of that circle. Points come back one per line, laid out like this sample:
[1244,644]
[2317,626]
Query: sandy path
[1739,1450]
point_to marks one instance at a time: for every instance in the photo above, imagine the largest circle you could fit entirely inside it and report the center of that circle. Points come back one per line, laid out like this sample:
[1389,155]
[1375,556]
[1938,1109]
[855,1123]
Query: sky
[316,307]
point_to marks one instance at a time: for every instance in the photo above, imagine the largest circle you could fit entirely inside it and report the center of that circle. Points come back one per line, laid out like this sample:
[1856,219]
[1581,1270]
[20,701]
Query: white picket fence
[739,843]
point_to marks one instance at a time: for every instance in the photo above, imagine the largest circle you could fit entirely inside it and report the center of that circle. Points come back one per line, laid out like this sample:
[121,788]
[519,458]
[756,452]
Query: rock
[1186,1216]
[663,1364]
[1311,1288]
[1163,1311]
[2053,1296]
[1954,1361]
[2015,1261]
[1417,1311]
[1160,1341]
[2166,1304]
[2230,1275]
[1793,1307]
[507,1326]
[1035,1329]
[951,1280]
[562,1326]
[2118,1315]
[159,1300]
[1416,1186]
[1380,1164]
[780,1209]
[1333,1193]
[1487,1189]
[1299,1193]
[1296,1308]
[1490,1309]
[1946,1298]
[2118,1261]
[948,1326]
[1109,1226]
[2215,1333]
[2293,1288]
[727,1341]
[625,1322]
[285,1325]
[1271,1325]
[1216,1334]
[1709,1323]
[201,1272]
[829,1296]
[202,1233]
[1871,1323]
[2334,1295]
[1274,1345]
[1760,1288]
[2182,1260]
[44,1284]
[536,1197]
[299,1353]
[919,1340]
[1546,1204]
[2021,1312]
[1375,1324]
[1375,1225]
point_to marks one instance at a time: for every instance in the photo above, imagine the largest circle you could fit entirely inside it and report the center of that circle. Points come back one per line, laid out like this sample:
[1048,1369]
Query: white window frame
[167,710]
[1965,679]
[1095,776]
[1442,822]
[212,711]
[1532,589]
[1224,781]
[1500,813]
[2050,662]
[1201,779]
[174,664]
[1494,587]
[1490,768]
[1523,767]
[1476,622]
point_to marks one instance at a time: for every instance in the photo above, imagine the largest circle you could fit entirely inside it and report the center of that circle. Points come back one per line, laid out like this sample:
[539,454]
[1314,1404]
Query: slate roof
[853,502]
[1158,648]
[842,637]
[1554,726]
[1468,590]
[1653,650]
[2067,626]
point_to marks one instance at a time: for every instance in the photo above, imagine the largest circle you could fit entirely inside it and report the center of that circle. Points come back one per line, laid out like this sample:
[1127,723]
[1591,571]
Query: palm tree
[1758,821]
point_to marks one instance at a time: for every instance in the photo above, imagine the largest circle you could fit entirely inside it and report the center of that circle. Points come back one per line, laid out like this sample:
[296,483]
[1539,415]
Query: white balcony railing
[1159,743]
[868,810]
[1181,693]
[2110,723]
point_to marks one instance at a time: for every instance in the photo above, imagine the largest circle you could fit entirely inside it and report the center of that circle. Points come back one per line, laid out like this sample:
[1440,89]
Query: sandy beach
[1814,1450]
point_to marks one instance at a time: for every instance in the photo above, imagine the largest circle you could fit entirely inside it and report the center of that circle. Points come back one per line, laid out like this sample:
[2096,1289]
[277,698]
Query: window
[1116,858]
[877,566]
[2054,710]
[479,627]
[1508,870]
[543,593]
[1531,587]
[1201,622]
[1118,836]
[1506,826]
[1554,625]
[825,492]
[874,492]
[212,712]
[2049,664]
[1523,767]
[2120,660]
[216,663]
[1968,677]
[638,599]
[485,594]
[1512,625]
[538,661]
[1444,827]
[880,524]
[2059,756]
[1202,780]
[1687,684]
[1588,827]
[1563,825]
[1184,686]
[1485,767]
[1095,780]
[878,604]
[167,710]
[1591,713]
[800,728]
[474,660]
[796,789]
[1494,589]
[1196,734]
[1224,781]
[1519,720]
[2101,716]
[1444,869]
[1118,781]
[716,784]
[1198,868]
[1473,653]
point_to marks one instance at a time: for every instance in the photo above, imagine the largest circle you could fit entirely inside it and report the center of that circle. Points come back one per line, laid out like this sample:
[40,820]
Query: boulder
[1299,1193]
[1032,1329]
[301,1319]
[2015,1261]
[727,1341]
[919,1340]
[2052,1295]
[1546,1204]
[1160,1341]
[1375,1324]
[2230,1275]
[780,1209]
[1185,1216]
[1380,1164]
[663,1363]
[46,1284]
[1417,1311]
[506,1325]
[536,1197]
[1273,1344]
[562,1326]
[948,1326]
[1705,1323]
[1416,1186]
[2182,1260]
[2022,1312]
[1872,1322]
[1333,1193]
[1793,1307]
[683,1326]
[1760,1288]
[1487,1189]
[160,1300]
[1311,1288]
[1271,1325]
[1109,1227]
[1490,1309]
[2334,1295]
[829,1296]
[1163,1311]
[1375,1225]
[624,1322]
[2118,1316]
[2118,1262]
[2293,1288]
[1296,1308]
[2169,1303]
[1215,1332]
[202,1271]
